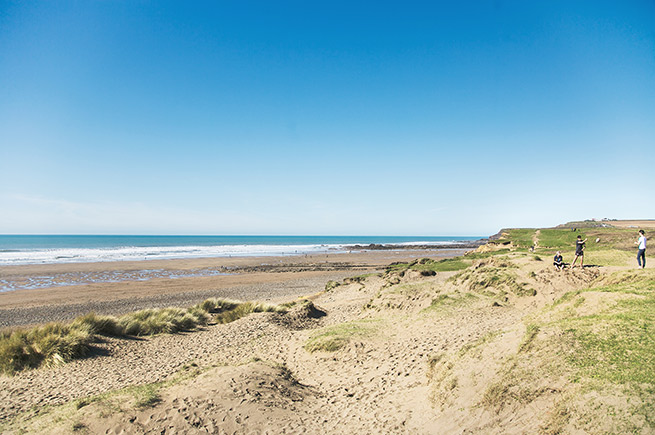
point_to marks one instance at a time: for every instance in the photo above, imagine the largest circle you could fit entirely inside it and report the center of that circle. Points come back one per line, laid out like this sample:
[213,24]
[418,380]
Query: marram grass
[429,265]
[165,320]
[56,343]
[335,337]
[44,345]
[244,309]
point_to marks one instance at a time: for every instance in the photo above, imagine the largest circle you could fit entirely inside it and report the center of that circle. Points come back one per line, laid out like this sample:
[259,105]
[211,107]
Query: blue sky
[334,118]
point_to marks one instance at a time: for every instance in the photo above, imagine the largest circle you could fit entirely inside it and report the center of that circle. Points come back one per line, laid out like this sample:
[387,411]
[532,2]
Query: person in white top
[641,253]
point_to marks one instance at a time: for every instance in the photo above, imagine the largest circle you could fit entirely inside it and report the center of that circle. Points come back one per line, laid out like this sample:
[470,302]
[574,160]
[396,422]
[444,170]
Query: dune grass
[473,255]
[166,320]
[614,238]
[218,305]
[44,345]
[600,341]
[333,338]
[492,274]
[145,322]
[57,343]
[444,302]
[559,239]
[331,285]
[617,344]
[244,309]
[429,265]
[609,257]
[519,237]
[610,351]
[147,395]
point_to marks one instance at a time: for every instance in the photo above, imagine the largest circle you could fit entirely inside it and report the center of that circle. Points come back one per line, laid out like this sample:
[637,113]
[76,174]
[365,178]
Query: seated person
[558,261]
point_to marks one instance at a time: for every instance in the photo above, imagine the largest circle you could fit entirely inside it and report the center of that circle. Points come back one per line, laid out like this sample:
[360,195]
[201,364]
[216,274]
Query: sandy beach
[313,218]
[266,279]
[478,344]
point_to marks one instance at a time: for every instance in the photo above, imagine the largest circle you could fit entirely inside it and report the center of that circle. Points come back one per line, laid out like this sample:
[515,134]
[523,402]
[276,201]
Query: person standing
[579,252]
[641,250]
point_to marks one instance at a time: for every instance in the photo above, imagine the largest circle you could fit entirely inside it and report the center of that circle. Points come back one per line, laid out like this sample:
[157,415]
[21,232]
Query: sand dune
[419,353]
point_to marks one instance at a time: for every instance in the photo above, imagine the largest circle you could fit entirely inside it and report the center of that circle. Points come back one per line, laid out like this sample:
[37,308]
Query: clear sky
[325,118]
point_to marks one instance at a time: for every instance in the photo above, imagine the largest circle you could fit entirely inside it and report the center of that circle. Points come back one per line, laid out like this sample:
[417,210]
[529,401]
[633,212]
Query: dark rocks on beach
[296,267]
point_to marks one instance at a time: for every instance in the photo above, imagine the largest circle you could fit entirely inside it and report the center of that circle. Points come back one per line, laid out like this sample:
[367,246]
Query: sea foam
[20,250]
[83,255]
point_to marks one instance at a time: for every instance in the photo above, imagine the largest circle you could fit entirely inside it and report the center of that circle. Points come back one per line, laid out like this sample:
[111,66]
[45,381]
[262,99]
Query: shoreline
[90,249]
[426,348]
[266,279]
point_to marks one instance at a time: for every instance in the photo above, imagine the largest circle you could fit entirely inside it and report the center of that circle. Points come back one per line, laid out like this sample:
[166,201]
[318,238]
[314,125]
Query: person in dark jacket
[579,251]
[558,261]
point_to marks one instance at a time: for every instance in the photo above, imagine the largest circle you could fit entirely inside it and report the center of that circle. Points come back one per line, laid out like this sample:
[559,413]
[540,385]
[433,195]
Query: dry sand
[255,376]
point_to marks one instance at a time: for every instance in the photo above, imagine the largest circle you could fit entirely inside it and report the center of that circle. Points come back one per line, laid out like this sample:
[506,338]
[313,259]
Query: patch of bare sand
[261,396]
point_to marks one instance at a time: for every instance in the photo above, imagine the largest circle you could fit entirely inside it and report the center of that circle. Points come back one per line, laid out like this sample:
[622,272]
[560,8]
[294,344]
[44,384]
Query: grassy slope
[591,351]
[597,344]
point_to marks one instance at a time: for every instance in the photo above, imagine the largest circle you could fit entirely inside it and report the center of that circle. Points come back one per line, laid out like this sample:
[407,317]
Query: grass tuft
[424,265]
[165,320]
[56,343]
[491,274]
[218,305]
[530,334]
[445,301]
[246,308]
[103,325]
[53,343]
[147,395]
[336,337]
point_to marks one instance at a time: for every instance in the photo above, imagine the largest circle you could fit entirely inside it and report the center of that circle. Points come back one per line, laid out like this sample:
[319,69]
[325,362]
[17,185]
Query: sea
[52,249]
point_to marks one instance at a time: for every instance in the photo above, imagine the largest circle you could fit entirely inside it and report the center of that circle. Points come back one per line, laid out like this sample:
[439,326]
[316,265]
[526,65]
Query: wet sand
[267,279]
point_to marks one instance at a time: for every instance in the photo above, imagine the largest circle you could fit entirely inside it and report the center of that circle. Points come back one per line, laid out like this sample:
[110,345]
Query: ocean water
[49,249]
